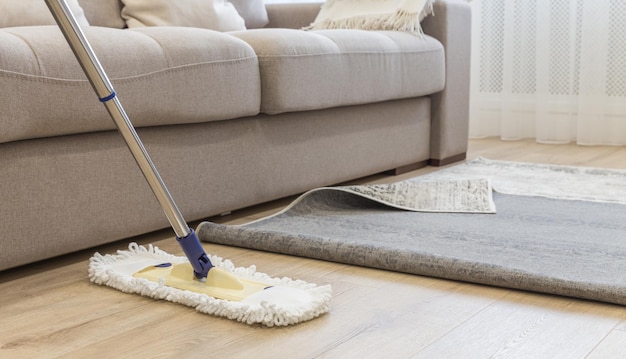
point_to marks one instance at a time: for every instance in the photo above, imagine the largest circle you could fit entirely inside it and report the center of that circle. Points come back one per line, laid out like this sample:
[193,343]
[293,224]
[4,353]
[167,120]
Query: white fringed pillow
[34,13]
[217,15]
[395,15]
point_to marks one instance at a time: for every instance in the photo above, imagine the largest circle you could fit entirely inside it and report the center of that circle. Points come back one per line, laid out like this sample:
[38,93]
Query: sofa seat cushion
[310,70]
[163,76]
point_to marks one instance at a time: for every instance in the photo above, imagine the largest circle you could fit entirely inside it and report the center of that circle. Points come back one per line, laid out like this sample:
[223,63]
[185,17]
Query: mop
[210,284]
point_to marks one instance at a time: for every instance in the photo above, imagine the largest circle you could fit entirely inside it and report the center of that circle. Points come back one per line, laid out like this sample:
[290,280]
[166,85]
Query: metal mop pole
[105,92]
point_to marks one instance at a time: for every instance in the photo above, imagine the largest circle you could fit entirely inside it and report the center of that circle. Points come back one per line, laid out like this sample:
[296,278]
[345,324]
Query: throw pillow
[396,15]
[253,12]
[217,15]
[34,12]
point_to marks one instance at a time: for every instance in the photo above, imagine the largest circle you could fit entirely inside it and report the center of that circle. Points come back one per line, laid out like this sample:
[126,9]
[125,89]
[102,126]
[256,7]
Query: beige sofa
[230,119]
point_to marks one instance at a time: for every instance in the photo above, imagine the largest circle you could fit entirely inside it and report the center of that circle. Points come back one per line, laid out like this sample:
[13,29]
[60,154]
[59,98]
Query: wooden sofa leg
[408,168]
[447,161]
[431,162]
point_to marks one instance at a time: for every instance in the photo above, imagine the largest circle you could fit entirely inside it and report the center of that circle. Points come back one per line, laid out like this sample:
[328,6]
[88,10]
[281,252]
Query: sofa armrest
[451,25]
[292,15]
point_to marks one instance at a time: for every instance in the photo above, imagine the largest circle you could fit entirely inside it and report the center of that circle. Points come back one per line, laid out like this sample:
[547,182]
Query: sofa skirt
[68,193]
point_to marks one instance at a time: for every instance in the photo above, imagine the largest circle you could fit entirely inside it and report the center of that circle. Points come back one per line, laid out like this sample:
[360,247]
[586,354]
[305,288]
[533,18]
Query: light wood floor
[50,309]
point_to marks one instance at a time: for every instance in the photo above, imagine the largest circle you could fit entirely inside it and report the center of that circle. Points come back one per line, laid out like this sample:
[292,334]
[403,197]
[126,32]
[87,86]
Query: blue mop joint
[195,253]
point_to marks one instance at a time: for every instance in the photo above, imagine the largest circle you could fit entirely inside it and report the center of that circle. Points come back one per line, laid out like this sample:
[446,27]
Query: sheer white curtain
[554,70]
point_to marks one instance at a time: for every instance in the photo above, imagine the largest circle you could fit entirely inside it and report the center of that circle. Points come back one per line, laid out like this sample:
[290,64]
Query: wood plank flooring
[51,310]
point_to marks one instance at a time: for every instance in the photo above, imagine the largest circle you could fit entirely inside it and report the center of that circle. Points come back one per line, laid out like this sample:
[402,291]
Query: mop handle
[105,92]
[103,88]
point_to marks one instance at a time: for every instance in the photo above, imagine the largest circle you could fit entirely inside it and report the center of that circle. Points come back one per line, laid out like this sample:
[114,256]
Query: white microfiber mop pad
[287,302]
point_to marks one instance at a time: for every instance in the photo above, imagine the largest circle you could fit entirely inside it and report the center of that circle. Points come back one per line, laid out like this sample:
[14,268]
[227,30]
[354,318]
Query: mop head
[283,301]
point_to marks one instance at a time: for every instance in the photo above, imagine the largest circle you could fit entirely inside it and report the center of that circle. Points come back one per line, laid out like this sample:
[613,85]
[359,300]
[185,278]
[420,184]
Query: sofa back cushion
[34,12]
[107,13]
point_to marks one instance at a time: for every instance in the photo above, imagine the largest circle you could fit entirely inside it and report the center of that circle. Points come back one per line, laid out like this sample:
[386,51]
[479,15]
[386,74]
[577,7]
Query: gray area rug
[568,247]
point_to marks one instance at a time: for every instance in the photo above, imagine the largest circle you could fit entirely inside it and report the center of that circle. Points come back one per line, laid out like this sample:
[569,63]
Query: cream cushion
[253,12]
[33,13]
[217,15]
